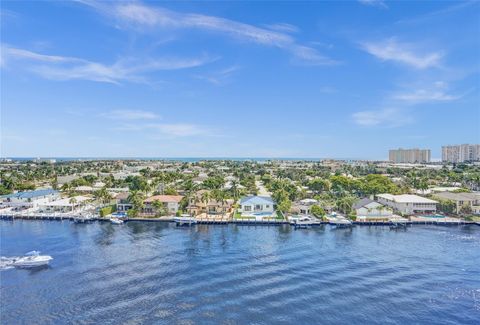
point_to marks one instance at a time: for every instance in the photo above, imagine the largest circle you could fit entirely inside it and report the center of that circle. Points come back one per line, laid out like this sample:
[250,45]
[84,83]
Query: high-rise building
[461,153]
[409,155]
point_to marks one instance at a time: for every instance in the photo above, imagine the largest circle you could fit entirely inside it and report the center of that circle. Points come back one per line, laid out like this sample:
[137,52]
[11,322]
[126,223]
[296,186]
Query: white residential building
[370,209]
[256,204]
[408,203]
[461,153]
[29,199]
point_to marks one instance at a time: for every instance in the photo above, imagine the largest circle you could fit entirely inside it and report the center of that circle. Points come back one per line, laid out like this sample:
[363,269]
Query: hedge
[107,210]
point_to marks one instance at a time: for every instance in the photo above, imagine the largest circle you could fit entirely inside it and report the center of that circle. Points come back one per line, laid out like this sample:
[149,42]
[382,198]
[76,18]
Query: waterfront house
[64,205]
[171,204]
[29,199]
[367,209]
[408,203]
[303,206]
[256,204]
[197,206]
[122,202]
[463,201]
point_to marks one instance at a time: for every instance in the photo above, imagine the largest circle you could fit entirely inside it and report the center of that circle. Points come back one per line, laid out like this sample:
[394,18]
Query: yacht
[339,221]
[116,221]
[185,220]
[31,259]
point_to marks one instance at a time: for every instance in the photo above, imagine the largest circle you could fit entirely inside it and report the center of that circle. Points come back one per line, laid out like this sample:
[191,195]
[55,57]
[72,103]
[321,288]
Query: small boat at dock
[116,221]
[339,221]
[304,222]
[185,220]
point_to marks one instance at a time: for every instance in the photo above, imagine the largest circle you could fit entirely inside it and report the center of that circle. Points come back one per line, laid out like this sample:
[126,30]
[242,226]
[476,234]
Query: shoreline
[238,222]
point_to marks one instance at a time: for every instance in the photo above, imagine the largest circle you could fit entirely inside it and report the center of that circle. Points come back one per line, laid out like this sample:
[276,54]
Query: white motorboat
[304,222]
[31,259]
[185,220]
[116,221]
[339,221]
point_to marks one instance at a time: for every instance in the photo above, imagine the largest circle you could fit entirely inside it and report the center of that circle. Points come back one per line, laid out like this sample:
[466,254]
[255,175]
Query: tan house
[171,204]
[471,200]
[197,206]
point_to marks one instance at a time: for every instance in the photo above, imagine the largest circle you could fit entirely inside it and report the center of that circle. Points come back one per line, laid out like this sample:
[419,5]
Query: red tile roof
[164,198]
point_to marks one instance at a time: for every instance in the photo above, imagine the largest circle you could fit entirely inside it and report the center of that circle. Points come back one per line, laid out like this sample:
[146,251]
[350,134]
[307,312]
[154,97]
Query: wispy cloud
[374,3]
[283,27]
[69,68]
[141,16]
[219,77]
[387,117]
[436,93]
[392,50]
[129,115]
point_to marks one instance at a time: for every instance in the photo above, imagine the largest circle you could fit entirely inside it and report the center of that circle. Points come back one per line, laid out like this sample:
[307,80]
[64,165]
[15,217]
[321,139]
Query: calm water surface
[140,273]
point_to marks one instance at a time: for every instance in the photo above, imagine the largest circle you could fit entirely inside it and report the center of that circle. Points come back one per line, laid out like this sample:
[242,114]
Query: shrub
[107,210]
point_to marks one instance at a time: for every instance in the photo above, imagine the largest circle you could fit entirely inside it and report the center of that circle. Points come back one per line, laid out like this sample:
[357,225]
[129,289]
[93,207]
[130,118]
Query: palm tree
[73,201]
[159,208]
[136,198]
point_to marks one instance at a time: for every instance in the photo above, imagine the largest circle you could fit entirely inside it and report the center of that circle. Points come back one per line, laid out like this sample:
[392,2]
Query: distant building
[408,204]
[416,155]
[461,153]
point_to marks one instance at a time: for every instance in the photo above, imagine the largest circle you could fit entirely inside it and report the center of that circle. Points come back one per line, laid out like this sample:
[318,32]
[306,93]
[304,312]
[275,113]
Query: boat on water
[304,222]
[185,220]
[116,221]
[339,221]
[31,259]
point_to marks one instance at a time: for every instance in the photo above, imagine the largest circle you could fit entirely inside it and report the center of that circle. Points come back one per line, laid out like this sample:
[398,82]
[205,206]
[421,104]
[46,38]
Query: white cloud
[391,50]
[139,16]
[374,3]
[68,68]
[131,115]
[219,77]
[424,95]
[435,93]
[387,117]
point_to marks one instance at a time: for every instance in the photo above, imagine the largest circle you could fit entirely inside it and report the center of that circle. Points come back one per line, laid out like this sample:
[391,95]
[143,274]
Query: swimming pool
[436,216]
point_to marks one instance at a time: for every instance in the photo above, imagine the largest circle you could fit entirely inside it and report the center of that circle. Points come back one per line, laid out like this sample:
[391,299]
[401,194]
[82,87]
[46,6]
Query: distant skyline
[238,79]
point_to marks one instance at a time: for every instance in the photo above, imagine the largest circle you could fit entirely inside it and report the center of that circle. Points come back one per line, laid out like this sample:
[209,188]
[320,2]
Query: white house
[370,209]
[304,206]
[64,205]
[256,204]
[29,199]
[408,203]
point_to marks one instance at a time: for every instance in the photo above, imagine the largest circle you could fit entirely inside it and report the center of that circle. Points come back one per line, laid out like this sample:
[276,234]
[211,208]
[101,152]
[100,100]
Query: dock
[212,221]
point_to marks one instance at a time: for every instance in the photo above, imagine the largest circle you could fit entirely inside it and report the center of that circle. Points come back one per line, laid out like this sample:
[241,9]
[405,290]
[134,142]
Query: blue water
[140,273]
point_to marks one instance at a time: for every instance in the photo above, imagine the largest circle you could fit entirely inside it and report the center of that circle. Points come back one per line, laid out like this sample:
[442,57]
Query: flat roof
[406,198]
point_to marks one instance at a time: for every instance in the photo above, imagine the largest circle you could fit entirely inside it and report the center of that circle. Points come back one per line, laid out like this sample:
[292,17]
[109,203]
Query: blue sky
[238,79]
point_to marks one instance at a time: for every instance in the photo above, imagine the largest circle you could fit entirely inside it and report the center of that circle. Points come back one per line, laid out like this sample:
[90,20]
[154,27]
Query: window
[247,208]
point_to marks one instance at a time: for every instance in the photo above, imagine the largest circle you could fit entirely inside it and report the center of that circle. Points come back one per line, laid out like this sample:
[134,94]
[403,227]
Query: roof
[256,200]
[406,198]
[361,203]
[30,194]
[164,198]
[458,196]
[308,201]
[66,201]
